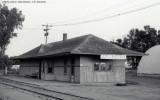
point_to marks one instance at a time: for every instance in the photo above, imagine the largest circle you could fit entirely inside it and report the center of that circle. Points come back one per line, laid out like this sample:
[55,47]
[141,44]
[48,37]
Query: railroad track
[37,89]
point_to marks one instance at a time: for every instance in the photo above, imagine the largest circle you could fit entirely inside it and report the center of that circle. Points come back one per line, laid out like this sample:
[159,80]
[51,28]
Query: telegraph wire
[109,17]
[115,6]
[100,19]
[100,11]
[94,13]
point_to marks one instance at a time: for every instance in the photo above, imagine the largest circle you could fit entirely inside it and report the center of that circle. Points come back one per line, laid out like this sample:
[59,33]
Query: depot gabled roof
[88,45]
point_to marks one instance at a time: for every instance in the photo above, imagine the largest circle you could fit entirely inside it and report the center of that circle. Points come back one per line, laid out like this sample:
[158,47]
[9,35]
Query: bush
[4,61]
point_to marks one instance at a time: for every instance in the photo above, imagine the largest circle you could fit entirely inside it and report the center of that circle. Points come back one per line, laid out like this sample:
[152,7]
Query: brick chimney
[64,36]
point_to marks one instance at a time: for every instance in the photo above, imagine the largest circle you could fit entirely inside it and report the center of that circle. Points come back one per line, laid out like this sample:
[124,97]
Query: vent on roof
[64,36]
[41,50]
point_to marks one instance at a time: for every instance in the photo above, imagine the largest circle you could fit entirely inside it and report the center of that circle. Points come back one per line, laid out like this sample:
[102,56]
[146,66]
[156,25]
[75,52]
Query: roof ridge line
[77,47]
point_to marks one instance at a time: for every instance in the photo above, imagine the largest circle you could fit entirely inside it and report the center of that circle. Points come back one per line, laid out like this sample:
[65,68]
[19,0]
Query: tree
[119,41]
[140,40]
[158,37]
[4,61]
[10,19]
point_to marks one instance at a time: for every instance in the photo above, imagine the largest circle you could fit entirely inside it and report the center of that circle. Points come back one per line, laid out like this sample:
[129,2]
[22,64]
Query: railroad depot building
[82,59]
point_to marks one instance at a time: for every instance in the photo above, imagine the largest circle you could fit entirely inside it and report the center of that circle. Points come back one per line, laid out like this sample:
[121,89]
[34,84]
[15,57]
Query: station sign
[112,56]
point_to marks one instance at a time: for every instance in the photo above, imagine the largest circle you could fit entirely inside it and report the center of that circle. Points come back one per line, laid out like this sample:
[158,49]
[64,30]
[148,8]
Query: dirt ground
[137,88]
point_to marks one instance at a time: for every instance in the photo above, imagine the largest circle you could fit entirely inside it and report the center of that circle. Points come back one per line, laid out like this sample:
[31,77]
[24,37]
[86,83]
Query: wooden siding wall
[58,73]
[1,72]
[119,71]
[87,73]
[29,67]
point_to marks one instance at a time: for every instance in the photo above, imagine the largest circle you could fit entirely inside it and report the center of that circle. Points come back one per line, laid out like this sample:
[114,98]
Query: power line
[112,16]
[115,6]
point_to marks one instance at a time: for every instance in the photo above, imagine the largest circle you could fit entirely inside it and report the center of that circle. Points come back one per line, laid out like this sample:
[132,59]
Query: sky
[60,12]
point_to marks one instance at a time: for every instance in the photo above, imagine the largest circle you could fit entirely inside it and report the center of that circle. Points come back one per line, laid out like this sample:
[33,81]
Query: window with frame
[65,67]
[102,66]
[43,66]
[50,67]
[50,70]
[73,66]
[1,67]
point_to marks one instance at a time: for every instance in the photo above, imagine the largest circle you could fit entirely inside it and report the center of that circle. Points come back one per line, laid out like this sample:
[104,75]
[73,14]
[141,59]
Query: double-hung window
[102,66]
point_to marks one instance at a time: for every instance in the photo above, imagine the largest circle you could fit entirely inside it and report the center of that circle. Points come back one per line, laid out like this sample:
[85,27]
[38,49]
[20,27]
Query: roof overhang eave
[136,55]
[41,56]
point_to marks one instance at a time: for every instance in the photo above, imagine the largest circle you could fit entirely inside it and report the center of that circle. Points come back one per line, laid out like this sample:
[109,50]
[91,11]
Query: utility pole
[46,29]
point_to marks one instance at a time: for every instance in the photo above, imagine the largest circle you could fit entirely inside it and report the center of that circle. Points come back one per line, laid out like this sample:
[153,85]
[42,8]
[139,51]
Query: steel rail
[32,91]
[63,96]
